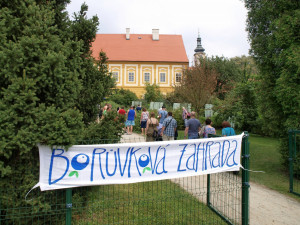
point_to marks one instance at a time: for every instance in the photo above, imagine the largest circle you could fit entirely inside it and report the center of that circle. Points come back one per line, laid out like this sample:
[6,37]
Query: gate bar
[291,166]
[69,206]
[245,179]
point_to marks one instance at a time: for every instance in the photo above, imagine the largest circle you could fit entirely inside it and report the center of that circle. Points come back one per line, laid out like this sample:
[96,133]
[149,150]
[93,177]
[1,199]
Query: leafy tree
[96,81]
[153,93]
[240,105]
[228,73]
[84,29]
[38,91]
[273,28]
[197,85]
[123,97]
[43,72]
[246,66]
[97,84]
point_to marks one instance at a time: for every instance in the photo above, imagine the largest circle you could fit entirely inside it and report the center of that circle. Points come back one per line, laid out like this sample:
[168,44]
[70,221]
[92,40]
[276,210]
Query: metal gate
[294,161]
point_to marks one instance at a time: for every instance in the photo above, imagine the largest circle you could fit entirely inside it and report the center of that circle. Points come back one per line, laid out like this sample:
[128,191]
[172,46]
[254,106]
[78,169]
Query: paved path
[267,207]
[272,208]
[126,138]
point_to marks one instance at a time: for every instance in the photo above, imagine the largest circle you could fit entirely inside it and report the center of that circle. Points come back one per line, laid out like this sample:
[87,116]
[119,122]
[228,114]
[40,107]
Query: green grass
[158,202]
[265,156]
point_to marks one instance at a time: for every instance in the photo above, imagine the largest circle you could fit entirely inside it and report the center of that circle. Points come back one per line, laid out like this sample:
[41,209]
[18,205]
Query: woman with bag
[208,129]
[143,120]
[151,128]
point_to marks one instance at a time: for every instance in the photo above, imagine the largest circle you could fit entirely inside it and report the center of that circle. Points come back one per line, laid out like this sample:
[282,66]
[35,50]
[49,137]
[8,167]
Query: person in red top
[122,111]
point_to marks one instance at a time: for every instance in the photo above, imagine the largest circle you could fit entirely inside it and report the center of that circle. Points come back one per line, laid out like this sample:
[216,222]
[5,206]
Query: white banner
[86,165]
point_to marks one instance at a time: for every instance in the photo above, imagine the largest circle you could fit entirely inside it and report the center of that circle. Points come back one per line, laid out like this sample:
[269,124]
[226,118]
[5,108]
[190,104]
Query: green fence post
[291,154]
[245,179]
[68,206]
[208,190]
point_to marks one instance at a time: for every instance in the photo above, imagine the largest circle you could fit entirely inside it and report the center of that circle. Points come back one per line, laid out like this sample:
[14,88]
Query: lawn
[265,156]
[157,202]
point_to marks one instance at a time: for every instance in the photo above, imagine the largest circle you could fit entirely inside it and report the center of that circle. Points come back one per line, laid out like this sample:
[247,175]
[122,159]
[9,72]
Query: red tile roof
[140,47]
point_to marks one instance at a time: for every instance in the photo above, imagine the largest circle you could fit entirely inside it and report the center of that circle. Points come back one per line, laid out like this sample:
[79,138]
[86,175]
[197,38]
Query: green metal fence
[221,198]
[294,161]
[233,204]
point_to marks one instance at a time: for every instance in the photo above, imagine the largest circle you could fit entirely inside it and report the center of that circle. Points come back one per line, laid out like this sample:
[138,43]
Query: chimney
[155,34]
[127,33]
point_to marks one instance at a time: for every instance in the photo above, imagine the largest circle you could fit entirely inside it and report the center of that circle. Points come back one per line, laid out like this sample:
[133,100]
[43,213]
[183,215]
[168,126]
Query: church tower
[199,50]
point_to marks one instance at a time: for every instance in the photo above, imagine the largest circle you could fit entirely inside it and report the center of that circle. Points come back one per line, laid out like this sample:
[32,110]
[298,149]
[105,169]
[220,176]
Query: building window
[115,75]
[178,77]
[131,77]
[162,77]
[147,77]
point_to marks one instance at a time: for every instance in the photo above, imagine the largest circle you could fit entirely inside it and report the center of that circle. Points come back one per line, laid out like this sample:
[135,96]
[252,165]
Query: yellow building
[137,59]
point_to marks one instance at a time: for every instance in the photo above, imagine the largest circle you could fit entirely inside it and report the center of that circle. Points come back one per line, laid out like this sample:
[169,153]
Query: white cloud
[221,23]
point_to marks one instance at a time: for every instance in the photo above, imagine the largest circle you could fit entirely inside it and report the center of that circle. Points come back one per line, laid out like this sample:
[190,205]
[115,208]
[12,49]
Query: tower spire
[199,47]
[199,50]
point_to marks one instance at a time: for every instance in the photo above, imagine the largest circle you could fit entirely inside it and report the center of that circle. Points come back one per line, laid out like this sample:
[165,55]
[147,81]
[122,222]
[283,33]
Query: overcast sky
[221,23]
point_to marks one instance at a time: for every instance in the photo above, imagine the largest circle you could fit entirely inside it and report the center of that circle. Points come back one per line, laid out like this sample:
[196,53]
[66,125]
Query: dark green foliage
[239,105]
[137,127]
[275,45]
[38,89]
[109,128]
[284,150]
[44,68]
[273,28]
[216,119]
[227,74]
[84,29]
[173,97]
[123,97]
[30,43]
[96,85]
[177,115]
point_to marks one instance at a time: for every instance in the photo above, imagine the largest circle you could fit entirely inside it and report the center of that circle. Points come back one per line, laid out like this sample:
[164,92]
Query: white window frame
[131,75]
[177,75]
[160,76]
[146,74]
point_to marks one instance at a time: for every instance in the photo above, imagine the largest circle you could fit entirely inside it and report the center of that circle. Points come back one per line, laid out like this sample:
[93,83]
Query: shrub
[123,97]
[109,128]
[217,120]
[240,104]
[177,115]
[153,93]
[137,126]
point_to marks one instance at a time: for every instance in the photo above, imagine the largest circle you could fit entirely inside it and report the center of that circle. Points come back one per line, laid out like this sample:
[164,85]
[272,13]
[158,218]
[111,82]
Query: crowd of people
[162,126]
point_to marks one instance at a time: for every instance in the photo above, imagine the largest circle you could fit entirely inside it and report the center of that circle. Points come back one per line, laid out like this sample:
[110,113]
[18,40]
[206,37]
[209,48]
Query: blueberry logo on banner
[79,162]
[143,162]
